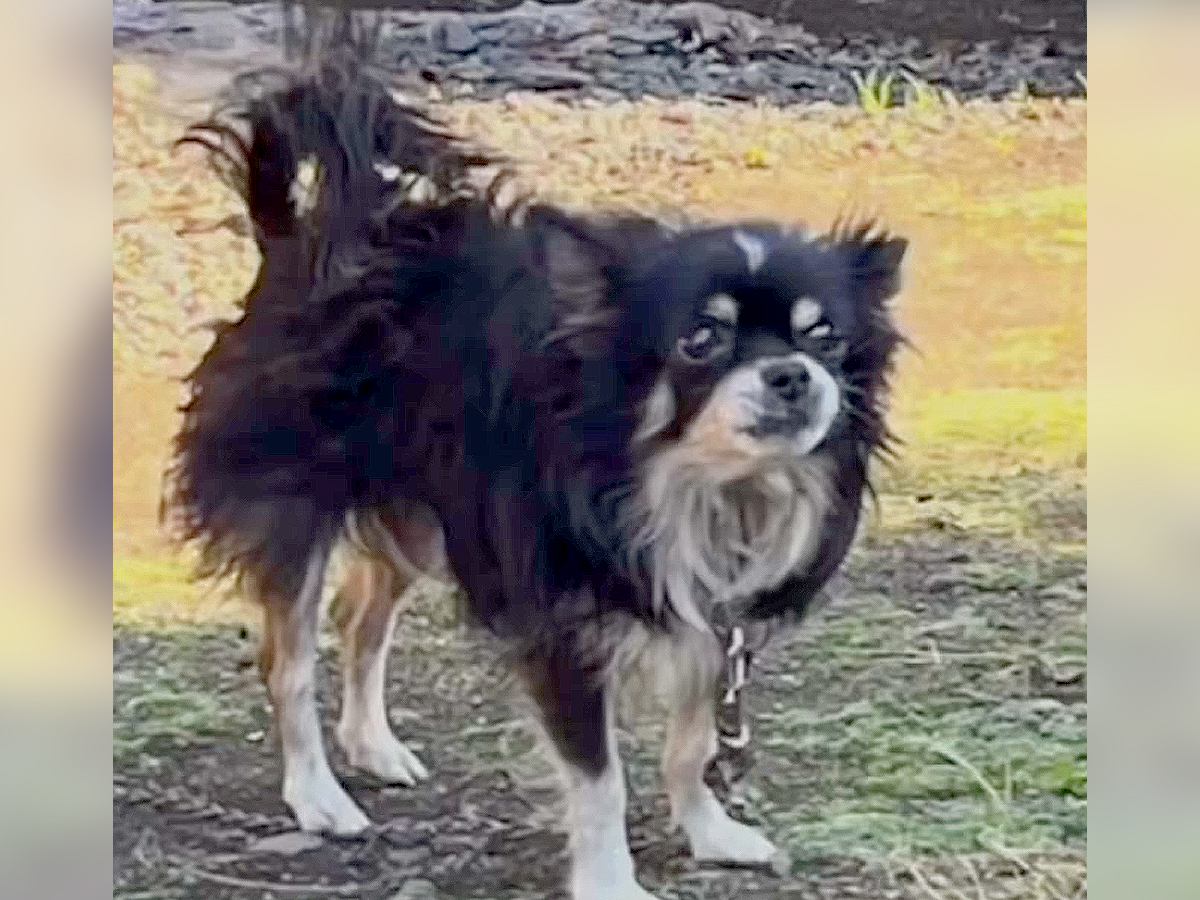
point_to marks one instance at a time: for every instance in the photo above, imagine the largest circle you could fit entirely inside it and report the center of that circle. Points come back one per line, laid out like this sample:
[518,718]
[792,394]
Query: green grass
[923,97]
[1022,350]
[876,92]
[1066,202]
[988,430]
[160,592]
[912,767]
[170,691]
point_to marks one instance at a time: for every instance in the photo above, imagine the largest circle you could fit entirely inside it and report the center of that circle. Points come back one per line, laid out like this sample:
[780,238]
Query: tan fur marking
[723,308]
[806,312]
[363,608]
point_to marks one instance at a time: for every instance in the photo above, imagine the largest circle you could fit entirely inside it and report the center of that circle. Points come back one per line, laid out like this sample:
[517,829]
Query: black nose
[789,380]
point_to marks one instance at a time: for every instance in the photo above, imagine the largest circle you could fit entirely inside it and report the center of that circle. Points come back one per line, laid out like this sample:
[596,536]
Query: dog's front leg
[576,708]
[691,743]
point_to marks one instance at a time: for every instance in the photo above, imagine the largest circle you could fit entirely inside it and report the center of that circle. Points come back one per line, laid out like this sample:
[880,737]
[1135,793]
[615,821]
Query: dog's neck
[708,541]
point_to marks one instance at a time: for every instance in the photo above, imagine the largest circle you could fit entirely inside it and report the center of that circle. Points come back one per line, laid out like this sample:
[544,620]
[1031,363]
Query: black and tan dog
[603,429]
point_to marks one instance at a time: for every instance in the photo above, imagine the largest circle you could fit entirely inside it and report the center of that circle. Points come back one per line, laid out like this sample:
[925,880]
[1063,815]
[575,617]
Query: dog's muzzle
[798,402]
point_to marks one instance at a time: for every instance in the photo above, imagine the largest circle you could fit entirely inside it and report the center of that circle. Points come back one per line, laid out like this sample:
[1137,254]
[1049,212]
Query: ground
[942,20]
[922,736]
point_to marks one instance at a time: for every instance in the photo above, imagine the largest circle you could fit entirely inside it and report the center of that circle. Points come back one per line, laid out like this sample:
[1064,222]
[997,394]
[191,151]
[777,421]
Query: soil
[189,815]
[931,21]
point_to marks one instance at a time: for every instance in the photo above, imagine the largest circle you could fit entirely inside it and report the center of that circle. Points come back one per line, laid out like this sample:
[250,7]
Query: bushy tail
[322,150]
[335,172]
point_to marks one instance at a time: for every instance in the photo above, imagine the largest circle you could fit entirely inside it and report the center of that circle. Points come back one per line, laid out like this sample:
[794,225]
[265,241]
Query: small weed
[875,91]
[756,158]
[923,97]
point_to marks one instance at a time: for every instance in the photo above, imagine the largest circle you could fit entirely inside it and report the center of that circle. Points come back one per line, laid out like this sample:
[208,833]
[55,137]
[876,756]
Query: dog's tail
[287,416]
[322,150]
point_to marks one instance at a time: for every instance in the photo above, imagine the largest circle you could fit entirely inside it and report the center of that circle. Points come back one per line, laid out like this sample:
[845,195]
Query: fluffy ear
[579,266]
[874,259]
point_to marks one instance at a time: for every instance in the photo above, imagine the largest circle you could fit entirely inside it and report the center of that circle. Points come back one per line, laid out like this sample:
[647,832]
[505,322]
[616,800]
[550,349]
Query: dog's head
[775,343]
[758,358]
[762,343]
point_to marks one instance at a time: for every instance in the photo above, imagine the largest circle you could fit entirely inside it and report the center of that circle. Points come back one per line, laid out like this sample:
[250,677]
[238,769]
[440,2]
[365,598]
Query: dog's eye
[822,334]
[708,340]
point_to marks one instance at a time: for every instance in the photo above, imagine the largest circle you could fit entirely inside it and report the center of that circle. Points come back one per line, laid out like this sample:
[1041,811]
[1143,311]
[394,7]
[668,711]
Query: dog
[603,429]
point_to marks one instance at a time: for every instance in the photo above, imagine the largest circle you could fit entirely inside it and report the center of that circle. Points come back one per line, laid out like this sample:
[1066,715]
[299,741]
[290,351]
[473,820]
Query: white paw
[715,837]
[320,804]
[386,758]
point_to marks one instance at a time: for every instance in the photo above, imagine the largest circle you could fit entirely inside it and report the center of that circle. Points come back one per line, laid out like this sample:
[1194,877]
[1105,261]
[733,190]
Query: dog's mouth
[785,424]
[796,407]
[776,407]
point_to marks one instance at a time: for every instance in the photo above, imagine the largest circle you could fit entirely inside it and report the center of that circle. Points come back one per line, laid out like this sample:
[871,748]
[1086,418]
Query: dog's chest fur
[708,541]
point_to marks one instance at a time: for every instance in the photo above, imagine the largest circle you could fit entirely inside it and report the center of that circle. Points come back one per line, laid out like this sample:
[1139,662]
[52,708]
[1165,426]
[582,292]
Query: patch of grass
[1065,202]
[157,592]
[143,582]
[1001,502]
[876,92]
[168,693]
[994,430]
[1030,349]
[166,717]
[1072,237]
[936,782]
[941,756]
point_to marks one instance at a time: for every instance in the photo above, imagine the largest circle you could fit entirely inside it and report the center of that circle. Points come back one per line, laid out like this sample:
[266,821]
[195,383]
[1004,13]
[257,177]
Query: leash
[741,638]
[735,756]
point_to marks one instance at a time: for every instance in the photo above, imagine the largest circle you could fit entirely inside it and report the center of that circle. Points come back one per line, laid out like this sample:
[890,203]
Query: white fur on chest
[710,543]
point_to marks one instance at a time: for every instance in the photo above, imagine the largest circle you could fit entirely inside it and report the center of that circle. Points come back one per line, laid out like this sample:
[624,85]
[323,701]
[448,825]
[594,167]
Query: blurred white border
[55,285]
[1144,451]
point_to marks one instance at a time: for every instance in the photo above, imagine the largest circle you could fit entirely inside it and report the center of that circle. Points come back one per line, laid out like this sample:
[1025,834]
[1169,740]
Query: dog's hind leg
[365,611]
[691,743]
[288,663]
[577,713]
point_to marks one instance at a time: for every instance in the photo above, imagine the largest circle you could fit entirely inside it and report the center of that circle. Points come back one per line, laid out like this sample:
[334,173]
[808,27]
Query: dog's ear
[580,267]
[874,260]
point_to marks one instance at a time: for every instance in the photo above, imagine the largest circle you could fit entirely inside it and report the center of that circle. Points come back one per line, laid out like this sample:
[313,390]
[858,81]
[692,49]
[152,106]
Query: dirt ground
[923,736]
[932,21]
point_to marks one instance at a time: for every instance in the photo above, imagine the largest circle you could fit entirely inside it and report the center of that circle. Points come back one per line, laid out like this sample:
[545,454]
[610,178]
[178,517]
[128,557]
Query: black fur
[488,363]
